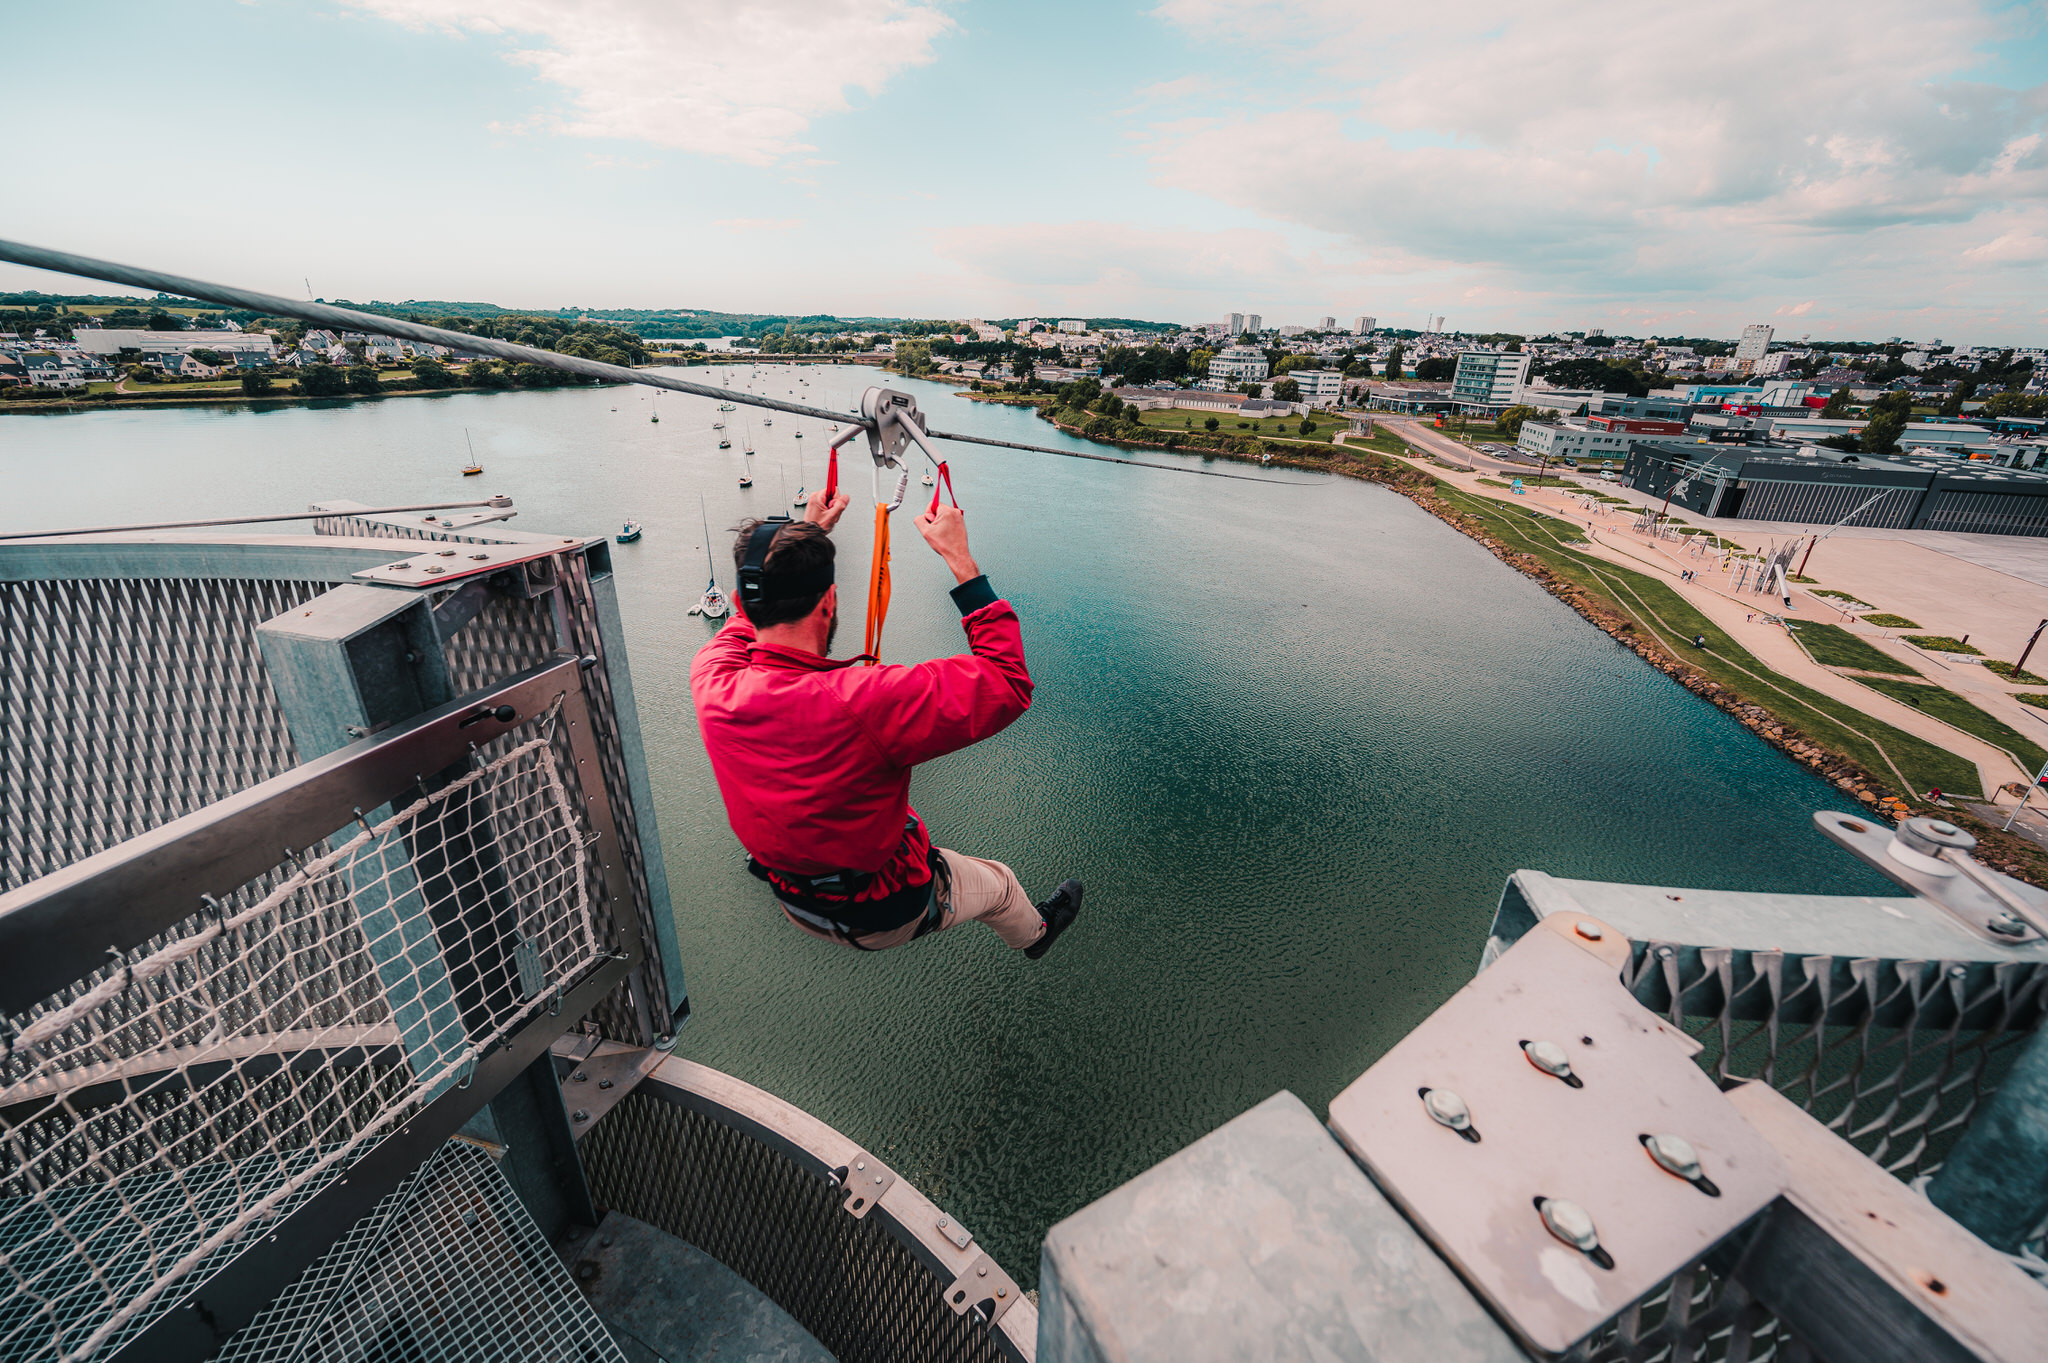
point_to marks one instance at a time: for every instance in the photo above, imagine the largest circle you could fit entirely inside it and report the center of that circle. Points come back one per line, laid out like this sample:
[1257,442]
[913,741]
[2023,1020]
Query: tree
[1964,392]
[322,381]
[362,379]
[204,356]
[1509,423]
[1307,427]
[1436,369]
[432,374]
[1251,390]
[256,383]
[1888,417]
[1287,390]
[1838,402]
[1394,363]
[163,321]
[1211,424]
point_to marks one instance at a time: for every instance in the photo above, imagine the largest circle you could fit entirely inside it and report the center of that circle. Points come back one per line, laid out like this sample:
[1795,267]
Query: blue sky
[1841,169]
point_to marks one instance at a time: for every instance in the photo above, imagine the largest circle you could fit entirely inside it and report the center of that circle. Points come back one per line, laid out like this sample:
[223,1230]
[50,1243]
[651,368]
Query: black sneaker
[1058,910]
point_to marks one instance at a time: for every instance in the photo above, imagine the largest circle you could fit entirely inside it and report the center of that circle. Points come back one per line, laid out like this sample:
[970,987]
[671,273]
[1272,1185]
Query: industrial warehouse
[1813,486]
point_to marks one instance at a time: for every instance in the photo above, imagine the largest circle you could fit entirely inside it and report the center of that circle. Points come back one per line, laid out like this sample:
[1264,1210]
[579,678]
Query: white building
[1326,324]
[1074,326]
[1486,378]
[1029,325]
[1292,330]
[1362,326]
[1319,387]
[1254,323]
[1756,339]
[1914,359]
[1241,363]
[114,340]
[1772,364]
[1577,441]
[1236,323]
[1941,437]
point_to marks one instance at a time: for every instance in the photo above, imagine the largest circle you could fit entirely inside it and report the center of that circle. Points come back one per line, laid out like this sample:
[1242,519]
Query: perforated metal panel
[858,1290]
[126,703]
[448,1267]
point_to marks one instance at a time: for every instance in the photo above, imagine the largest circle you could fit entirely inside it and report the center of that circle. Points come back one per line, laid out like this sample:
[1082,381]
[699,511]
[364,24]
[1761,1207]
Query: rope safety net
[210,1081]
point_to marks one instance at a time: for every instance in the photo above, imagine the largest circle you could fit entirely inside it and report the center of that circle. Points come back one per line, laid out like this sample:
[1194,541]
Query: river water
[1293,738]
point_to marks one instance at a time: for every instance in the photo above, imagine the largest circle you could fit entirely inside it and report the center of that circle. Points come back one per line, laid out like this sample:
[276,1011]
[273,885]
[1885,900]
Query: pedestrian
[814,756]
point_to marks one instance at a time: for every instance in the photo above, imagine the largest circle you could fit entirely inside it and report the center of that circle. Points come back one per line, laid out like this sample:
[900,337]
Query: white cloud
[1630,151]
[758,224]
[741,81]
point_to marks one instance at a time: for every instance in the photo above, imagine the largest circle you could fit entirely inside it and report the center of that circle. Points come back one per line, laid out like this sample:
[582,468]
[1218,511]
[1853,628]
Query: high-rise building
[1363,325]
[1485,378]
[1073,326]
[1756,339]
[1237,324]
[1595,333]
[1327,324]
[1254,323]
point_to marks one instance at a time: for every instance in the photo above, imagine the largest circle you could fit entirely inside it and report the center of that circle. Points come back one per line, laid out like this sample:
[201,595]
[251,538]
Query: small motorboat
[725,406]
[718,425]
[802,498]
[767,421]
[723,443]
[746,481]
[927,479]
[628,533]
[799,435]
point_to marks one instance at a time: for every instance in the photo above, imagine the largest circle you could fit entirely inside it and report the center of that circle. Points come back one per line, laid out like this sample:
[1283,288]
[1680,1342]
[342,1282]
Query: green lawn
[1883,621]
[1889,754]
[1946,705]
[1833,646]
[1942,643]
[1177,419]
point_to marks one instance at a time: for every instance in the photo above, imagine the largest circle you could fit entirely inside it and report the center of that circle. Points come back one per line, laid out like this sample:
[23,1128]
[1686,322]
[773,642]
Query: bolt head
[604,1083]
[1674,1155]
[582,1114]
[1589,930]
[944,1222]
[1571,1223]
[581,1076]
[1549,1057]
[1447,1109]
[860,1164]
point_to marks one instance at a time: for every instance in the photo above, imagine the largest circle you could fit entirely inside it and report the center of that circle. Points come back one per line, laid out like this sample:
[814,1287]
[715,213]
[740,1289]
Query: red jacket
[813,757]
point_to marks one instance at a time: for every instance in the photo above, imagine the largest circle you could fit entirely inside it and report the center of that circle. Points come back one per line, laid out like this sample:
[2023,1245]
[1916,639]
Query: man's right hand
[945,530]
[825,514]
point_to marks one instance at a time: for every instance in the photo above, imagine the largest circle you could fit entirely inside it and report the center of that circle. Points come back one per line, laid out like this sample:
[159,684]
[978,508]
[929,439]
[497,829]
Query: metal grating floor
[448,1267]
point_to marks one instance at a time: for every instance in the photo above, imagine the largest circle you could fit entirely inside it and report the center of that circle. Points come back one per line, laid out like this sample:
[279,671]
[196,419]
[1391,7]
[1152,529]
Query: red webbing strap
[832,477]
[945,481]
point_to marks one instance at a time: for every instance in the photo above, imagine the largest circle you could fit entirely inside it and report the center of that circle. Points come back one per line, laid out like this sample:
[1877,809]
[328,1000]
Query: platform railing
[228,1037]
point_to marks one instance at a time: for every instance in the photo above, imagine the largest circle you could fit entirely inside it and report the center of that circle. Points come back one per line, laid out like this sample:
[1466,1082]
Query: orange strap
[878,586]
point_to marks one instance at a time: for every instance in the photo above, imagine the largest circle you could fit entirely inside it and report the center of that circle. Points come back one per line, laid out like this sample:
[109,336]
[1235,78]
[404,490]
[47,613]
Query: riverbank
[1880,766]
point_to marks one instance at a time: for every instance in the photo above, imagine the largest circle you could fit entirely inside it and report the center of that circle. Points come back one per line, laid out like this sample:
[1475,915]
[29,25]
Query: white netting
[152,1119]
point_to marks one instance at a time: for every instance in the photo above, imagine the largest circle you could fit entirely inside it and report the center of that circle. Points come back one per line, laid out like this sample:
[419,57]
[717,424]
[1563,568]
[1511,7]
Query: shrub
[1211,424]
[432,374]
[1942,643]
[322,381]
[255,383]
[2011,673]
[361,379]
[1883,621]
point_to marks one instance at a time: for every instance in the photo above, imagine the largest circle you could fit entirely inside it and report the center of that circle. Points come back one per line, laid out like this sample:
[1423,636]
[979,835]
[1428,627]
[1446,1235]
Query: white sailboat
[713,603]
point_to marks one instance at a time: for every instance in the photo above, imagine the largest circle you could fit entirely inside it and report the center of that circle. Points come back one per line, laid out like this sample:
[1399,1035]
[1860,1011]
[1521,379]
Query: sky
[1866,169]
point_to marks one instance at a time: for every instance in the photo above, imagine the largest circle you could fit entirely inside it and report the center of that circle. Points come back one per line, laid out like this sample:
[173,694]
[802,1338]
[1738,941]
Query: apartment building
[1489,379]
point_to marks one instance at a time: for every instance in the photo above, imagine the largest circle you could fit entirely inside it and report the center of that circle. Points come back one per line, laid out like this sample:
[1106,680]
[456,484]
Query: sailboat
[713,603]
[747,454]
[725,406]
[801,496]
[927,479]
[656,414]
[472,468]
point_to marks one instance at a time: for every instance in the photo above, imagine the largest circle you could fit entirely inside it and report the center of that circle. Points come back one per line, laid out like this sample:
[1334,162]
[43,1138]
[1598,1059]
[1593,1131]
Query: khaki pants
[981,892]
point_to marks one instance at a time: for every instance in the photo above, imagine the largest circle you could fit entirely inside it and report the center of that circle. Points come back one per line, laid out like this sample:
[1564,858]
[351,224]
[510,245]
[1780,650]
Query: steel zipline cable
[347,319]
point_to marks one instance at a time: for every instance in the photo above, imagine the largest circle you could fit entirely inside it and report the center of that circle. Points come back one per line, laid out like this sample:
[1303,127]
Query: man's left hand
[825,516]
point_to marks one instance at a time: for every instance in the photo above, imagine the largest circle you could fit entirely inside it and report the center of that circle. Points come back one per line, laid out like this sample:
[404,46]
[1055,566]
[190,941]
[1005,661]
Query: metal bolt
[435,568]
[1550,1057]
[604,1083]
[1589,930]
[1674,1155]
[1665,953]
[1569,1222]
[1447,1109]
[446,553]
[943,1222]
[582,1114]
[1002,1292]
[481,558]
[878,1178]
[2005,925]
[860,1164]
[984,1272]
[580,1076]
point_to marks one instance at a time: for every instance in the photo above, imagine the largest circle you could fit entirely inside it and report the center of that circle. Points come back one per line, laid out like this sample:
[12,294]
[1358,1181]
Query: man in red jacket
[814,757]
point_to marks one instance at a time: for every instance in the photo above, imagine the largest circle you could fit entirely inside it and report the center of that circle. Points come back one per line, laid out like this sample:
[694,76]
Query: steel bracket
[1961,896]
[865,1179]
[439,568]
[593,1083]
[954,1231]
[983,1289]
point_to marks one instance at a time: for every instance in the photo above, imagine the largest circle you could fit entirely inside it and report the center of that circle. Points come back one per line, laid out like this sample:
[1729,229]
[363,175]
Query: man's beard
[831,632]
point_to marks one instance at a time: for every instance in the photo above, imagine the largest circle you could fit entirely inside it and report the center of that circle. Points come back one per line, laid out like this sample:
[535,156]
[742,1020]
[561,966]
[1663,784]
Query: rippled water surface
[1293,738]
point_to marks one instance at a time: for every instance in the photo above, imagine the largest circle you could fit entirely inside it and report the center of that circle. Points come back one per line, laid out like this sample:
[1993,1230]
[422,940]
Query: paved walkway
[1744,615]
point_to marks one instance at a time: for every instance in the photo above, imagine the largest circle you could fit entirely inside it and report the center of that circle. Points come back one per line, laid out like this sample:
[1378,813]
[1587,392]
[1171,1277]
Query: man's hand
[825,517]
[945,530]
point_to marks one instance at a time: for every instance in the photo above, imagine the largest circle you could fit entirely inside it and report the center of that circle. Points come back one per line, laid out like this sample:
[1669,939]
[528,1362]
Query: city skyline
[1849,172]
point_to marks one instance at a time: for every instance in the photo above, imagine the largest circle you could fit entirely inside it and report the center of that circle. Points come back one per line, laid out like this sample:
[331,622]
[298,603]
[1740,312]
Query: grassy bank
[1950,708]
[1833,646]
